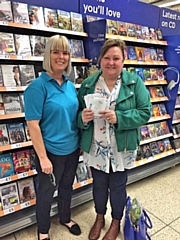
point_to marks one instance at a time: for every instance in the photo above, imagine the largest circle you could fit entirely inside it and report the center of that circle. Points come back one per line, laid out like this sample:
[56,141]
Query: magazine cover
[16,132]
[131,53]
[140,54]
[36,16]
[4,138]
[64,19]
[121,26]
[153,74]
[20,12]
[112,27]
[11,103]
[76,22]
[2,110]
[27,74]
[5,11]
[21,161]
[50,18]
[9,195]
[26,190]
[22,45]
[11,75]
[6,165]
[37,45]
[78,48]
[7,46]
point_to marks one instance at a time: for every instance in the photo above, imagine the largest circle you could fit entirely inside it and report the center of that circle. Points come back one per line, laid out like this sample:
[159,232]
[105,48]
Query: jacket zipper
[125,144]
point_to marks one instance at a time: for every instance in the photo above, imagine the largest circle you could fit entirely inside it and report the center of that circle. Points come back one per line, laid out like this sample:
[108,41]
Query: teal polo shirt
[56,108]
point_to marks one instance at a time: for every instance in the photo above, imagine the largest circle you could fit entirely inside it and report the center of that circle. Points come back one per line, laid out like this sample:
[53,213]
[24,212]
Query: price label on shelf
[22,175]
[16,145]
[3,23]
[9,210]
[25,205]
[21,57]
[5,180]
[11,88]
[84,183]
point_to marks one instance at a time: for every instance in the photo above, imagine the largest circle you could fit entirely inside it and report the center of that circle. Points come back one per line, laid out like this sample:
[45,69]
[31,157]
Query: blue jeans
[112,184]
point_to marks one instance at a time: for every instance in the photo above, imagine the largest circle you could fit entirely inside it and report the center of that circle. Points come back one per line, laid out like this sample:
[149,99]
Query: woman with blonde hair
[51,107]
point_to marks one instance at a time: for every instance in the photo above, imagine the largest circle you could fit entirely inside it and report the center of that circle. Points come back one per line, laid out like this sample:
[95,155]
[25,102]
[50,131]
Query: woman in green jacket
[110,138]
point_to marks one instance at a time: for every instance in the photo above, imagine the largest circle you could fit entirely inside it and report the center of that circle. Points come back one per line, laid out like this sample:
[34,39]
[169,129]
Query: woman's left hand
[109,115]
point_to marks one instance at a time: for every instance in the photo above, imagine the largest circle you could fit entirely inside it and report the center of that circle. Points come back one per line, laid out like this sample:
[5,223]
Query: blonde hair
[56,42]
[112,43]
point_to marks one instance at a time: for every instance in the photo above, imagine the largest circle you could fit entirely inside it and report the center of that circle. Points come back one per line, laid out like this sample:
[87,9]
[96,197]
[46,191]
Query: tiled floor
[159,195]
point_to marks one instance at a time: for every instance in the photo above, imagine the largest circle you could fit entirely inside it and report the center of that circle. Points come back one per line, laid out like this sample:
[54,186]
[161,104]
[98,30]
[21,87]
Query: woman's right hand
[87,115]
[46,165]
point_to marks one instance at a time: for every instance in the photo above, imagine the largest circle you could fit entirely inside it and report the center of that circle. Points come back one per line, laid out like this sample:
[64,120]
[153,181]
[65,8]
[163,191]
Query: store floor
[159,195]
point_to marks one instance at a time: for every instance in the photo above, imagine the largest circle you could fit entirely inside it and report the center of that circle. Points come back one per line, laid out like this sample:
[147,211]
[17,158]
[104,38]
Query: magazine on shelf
[164,127]
[146,151]
[154,148]
[156,91]
[36,17]
[64,20]
[121,26]
[76,22]
[138,31]
[156,110]
[112,27]
[9,195]
[21,161]
[6,165]
[5,11]
[7,46]
[153,74]
[144,132]
[160,54]
[2,110]
[167,144]
[11,103]
[20,12]
[140,54]
[16,132]
[11,77]
[131,32]
[147,75]
[26,190]
[139,72]
[145,32]
[50,18]
[4,138]
[22,45]
[27,74]
[152,33]
[147,54]
[160,73]
[152,130]
[78,48]
[131,53]
[153,54]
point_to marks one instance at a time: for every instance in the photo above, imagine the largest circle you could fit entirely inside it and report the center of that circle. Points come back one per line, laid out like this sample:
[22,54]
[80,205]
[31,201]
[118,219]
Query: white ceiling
[171,4]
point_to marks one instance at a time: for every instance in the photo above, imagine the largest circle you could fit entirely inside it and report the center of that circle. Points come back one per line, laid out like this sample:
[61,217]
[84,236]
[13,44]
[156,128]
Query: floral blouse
[103,151]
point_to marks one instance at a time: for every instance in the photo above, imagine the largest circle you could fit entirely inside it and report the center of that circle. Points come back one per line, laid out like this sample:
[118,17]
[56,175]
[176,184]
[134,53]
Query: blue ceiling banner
[169,22]
[122,10]
[66,5]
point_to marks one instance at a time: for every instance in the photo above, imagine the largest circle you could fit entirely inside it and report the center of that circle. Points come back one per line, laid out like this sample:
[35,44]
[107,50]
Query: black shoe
[74,229]
[43,238]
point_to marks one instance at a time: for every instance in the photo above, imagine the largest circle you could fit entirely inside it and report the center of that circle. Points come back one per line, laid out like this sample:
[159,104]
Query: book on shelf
[22,45]
[153,54]
[131,53]
[156,110]
[147,75]
[9,195]
[152,33]
[112,27]
[160,54]
[6,11]
[147,54]
[27,74]
[20,12]
[50,18]
[11,77]
[16,132]
[36,17]
[153,74]
[6,165]
[2,110]
[4,138]
[11,103]
[144,132]
[160,73]
[121,27]
[37,45]
[64,20]
[131,32]
[76,22]
[78,48]
[26,190]
[21,161]
[81,172]
[7,46]
[145,32]
[140,54]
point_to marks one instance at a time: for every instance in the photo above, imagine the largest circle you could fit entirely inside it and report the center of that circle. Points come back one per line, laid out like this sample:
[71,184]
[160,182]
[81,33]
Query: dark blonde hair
[112,43]
[56,42]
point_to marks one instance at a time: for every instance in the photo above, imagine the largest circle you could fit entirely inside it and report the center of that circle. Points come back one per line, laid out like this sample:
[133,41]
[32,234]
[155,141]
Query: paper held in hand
[96,103]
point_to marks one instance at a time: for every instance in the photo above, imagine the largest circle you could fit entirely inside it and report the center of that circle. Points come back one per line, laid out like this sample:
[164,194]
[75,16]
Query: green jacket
[133,109]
